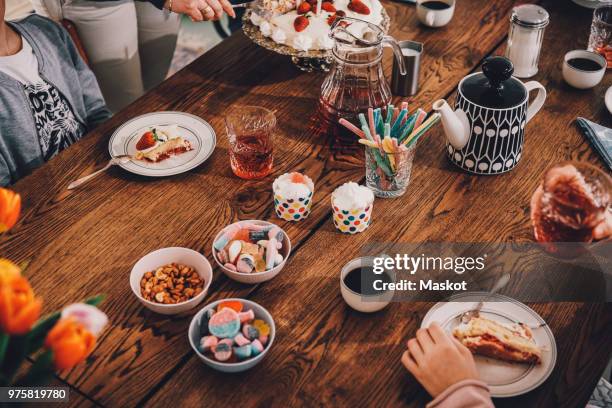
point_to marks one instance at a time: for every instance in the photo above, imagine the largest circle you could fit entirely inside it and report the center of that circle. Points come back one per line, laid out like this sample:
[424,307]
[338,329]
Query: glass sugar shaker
[527,24]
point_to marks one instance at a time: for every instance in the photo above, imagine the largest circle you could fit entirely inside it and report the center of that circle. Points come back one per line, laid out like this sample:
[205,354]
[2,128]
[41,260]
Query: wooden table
[85,242]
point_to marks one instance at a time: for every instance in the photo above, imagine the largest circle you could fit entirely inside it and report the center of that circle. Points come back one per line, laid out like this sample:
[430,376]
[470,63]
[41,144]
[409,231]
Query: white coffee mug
[433,17]
[580,78]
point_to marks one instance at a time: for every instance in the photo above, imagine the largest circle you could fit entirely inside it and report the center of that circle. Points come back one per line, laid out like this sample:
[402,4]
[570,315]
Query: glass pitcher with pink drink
[356,80]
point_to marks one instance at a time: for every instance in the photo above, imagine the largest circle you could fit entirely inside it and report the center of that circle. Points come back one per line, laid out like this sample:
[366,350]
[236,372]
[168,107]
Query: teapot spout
[456,124]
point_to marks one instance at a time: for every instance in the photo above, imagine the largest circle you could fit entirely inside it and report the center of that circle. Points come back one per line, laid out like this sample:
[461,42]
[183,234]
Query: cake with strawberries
[160,143]
[295,23]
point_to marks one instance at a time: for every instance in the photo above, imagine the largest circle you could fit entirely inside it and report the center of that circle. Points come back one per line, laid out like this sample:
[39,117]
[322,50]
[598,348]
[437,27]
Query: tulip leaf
[4,341]
[13,350]
[14,356]
[40,372]
[95,300]
[37,335]
[24,265]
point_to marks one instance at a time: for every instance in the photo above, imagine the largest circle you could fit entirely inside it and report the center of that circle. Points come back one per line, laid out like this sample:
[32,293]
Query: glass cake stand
[309,61]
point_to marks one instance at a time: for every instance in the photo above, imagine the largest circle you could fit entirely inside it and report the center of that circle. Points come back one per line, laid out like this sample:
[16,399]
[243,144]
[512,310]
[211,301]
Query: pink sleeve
[464,394]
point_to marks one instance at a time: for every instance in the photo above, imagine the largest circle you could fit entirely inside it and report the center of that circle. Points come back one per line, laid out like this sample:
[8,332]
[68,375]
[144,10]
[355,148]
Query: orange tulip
[10,206]
[8,270]
[19,309]
[70,342]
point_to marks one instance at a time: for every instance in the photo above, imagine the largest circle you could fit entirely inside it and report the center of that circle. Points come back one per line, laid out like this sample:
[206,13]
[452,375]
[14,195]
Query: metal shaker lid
[530,16]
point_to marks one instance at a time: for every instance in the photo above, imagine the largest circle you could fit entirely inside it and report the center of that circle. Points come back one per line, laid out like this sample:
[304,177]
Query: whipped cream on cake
[293,185]
[296,24]
[351,196]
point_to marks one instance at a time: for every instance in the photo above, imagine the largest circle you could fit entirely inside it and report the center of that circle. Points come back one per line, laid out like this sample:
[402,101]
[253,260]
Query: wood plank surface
[328,355]
[75,397]
[84,242]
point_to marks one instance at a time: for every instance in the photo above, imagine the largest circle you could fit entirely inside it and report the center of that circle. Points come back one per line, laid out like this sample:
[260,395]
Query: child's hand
[437,360]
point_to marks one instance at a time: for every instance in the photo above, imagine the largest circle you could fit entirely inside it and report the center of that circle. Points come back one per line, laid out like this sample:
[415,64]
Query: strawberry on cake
[159,143]
[295,23]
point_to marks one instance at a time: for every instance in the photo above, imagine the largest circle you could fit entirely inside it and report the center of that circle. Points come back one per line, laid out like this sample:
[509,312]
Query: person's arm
[464,394]
[198,10]
[95,107]
[446,369]
[5,174]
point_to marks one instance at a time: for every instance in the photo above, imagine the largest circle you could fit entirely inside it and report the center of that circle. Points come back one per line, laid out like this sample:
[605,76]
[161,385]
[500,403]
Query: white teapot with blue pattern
[485,133]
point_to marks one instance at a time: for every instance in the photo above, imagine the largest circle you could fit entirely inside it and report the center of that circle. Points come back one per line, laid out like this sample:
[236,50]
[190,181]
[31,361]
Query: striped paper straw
[366,132]
[420,118]
[364,126]
[371,119]
[398,122]
[389,114]
[351,127]
[422,129]
[368,143]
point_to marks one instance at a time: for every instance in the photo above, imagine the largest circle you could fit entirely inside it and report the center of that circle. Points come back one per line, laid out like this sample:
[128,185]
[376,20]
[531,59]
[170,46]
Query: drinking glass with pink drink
[250,130]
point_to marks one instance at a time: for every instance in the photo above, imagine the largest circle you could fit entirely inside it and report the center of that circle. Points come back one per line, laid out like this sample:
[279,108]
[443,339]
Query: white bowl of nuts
[171,280]
[251,251]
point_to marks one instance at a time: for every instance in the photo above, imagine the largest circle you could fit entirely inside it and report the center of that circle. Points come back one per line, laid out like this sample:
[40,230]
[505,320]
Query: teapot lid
[494,87]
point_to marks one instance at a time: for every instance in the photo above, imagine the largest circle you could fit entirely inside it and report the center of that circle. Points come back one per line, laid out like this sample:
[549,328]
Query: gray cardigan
[60,64]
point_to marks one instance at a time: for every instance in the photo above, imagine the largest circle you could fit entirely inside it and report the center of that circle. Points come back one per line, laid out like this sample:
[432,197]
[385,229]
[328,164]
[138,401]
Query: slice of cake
[164,150]
[504,342]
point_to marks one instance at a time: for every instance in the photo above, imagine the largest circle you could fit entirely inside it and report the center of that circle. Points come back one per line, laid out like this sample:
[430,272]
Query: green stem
[4,341]
[40,372]
[14,356]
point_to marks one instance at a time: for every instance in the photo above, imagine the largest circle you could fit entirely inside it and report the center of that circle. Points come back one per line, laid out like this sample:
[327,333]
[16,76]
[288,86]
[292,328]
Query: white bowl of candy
[251,251]
[232,335]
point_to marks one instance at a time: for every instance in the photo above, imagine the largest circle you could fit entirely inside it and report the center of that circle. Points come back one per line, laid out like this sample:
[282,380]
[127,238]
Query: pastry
[159,143]
[164,150]
[506,342]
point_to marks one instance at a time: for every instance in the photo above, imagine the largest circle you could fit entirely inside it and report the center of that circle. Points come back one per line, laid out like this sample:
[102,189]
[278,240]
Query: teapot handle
[391,42]
[538,102]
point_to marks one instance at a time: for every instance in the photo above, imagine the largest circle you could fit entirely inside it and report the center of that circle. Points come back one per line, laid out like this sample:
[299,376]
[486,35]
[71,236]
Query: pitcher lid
[494,87]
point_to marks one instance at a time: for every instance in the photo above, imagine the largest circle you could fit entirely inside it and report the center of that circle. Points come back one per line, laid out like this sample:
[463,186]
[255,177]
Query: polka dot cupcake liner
[352,221]
[292,209]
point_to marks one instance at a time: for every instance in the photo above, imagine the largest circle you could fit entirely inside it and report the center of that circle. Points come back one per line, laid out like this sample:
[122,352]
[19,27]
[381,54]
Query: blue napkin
[600,138]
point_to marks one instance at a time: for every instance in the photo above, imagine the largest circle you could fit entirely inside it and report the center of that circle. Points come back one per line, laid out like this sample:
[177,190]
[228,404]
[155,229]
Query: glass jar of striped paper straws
[390,138]
[388,180]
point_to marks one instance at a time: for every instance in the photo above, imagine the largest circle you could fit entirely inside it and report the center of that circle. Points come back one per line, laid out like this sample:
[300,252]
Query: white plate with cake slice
[498,332]
[592,4]
[163,143]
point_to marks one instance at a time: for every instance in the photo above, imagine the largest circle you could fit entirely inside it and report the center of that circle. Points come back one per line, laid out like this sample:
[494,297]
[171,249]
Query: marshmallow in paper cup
[352,207]
[293,194]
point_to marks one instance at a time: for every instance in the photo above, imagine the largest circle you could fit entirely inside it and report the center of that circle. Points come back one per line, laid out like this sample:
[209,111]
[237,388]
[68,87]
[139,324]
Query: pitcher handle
[391,42]
[538,102]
